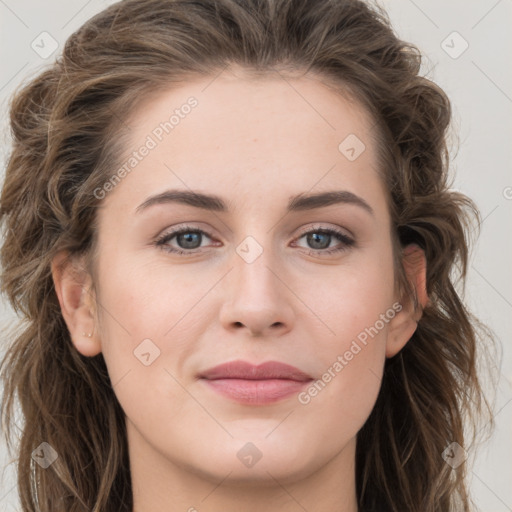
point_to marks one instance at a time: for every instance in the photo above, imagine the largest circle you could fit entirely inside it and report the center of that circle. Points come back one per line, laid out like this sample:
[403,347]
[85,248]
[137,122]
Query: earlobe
[77,302]
[404,324]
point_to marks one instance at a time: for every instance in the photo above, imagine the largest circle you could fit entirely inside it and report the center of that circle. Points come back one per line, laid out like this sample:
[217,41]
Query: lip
[251,384]
[244,370]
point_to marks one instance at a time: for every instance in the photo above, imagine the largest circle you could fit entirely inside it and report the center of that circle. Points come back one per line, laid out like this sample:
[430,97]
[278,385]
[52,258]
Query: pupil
[189,240]
[314,240]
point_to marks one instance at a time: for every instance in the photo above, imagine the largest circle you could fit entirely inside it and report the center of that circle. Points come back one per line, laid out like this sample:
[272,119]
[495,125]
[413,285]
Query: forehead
[232,132]
[239,105]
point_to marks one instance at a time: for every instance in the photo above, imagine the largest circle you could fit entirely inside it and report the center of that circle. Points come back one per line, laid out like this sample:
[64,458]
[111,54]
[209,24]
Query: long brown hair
[67,127]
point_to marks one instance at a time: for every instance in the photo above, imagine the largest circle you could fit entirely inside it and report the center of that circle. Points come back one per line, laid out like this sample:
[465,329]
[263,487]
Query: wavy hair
[67,131]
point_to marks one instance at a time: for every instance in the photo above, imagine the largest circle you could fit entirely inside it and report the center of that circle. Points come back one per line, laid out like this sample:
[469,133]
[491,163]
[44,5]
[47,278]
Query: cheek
[356,307]
[147,300]
[145,341]
[352,298]
[350,365]
[350,361]
[149,324]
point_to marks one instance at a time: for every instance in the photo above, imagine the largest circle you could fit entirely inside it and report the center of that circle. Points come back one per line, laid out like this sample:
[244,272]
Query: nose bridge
[253,260]
[256,297]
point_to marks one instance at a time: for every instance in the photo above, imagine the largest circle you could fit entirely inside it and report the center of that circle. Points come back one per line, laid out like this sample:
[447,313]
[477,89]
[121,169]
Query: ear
[405,322]
[73,286]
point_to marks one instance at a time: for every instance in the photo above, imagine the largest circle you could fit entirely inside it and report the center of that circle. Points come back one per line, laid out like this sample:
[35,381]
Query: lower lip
[256,392]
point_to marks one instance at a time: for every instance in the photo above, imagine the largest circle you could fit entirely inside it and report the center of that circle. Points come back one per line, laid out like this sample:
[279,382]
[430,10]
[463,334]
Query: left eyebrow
[301,202]
[310,202]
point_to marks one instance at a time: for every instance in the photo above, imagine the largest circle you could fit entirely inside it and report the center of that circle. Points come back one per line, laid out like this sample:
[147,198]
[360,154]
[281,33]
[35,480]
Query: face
[257,274]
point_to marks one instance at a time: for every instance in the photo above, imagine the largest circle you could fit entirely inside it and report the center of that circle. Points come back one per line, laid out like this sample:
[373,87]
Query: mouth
[248,384]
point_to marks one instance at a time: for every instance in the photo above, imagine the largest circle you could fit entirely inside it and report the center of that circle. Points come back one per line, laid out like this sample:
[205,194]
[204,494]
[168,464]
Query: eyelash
[346,242]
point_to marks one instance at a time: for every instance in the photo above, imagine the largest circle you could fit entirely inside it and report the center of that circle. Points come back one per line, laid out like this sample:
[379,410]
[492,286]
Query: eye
[319,240]
[188,239]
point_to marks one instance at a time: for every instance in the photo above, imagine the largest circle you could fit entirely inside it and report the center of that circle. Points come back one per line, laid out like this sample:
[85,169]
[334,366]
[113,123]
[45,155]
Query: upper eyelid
[318,226]
[313,226]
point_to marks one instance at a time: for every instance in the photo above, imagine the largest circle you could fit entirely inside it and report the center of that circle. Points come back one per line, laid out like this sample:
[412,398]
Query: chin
[259,460]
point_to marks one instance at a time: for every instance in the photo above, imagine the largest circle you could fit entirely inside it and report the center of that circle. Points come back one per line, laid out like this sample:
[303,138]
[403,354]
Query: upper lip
[248,371]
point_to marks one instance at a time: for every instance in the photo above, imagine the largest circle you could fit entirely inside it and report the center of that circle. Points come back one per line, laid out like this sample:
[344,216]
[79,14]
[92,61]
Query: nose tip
[256,300]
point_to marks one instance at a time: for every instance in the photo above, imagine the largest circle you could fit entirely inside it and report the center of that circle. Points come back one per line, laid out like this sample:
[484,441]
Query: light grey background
[479,83]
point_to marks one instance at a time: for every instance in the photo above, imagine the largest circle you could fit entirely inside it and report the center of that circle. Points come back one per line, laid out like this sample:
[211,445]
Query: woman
[229,227]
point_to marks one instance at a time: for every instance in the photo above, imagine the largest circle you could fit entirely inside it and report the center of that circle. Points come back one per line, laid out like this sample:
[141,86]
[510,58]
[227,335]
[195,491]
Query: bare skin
[255,144]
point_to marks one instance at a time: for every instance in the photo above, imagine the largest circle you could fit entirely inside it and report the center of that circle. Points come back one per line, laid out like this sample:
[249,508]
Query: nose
[258,299]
